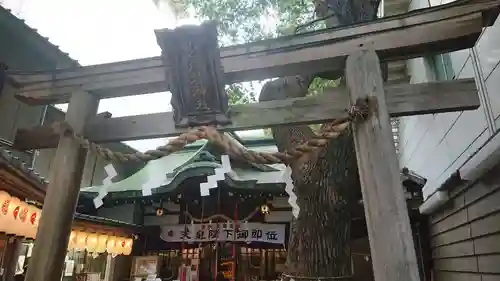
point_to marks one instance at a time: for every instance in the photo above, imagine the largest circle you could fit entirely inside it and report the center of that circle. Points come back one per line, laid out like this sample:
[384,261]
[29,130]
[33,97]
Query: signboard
[244,232]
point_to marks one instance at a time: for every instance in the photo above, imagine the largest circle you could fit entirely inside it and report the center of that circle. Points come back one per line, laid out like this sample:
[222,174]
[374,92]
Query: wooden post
[62,195]
[389,231]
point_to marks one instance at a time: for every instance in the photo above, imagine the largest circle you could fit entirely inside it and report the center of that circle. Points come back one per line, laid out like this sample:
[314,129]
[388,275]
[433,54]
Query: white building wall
[436,145]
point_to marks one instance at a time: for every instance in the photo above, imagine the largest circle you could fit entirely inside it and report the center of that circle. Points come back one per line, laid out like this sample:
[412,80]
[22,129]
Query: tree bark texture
[327,185]
[326,181]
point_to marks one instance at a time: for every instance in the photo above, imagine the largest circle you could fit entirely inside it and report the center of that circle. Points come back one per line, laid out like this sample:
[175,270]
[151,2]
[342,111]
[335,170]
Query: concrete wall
[436,145]
[93,173]
[14,114]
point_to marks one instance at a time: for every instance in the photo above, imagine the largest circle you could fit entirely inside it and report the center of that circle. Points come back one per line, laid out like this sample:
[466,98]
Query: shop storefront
[95,243]
[20,189]
[89,246]
[92,248]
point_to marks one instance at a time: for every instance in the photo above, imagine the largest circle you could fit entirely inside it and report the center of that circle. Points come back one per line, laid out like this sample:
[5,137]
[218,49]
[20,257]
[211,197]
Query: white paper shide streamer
[153,182]
[292,200]
[106,182]
[218,176]
[147,188]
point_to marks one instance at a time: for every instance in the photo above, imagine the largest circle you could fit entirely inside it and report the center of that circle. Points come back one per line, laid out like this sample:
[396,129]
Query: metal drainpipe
[483,92]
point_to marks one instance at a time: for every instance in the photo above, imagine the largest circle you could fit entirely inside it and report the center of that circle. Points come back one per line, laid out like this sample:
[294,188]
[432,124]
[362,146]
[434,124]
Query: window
[442,67]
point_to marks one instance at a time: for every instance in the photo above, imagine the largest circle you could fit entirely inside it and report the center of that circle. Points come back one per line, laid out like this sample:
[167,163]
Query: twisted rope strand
[357,112]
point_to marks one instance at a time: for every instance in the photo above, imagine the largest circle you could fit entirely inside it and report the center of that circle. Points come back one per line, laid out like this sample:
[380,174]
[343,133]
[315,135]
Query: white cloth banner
[245,232]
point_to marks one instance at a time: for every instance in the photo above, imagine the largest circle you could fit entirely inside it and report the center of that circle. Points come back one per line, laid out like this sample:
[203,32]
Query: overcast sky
[102,31]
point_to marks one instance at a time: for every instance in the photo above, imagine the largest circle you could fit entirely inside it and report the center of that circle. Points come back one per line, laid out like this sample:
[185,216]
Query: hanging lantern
[35,221]
[120,245]
[81,241]
[30,221]
[12,215]
[101,243]
[33,218]
[129,243]
[91,243]
[22,226]
[111,246]
[72,240]
[5,200]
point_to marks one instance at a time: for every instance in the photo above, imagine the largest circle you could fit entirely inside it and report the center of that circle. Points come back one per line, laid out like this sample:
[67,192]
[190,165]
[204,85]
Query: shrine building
[240,227]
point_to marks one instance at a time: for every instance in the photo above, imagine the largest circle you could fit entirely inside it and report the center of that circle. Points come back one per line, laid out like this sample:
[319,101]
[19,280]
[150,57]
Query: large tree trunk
[327,184]
[320,241]
[326,181]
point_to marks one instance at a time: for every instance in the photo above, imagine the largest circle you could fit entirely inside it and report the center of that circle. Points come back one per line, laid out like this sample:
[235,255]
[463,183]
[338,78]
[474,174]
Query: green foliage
[243,21]
[239,94]
[319,85]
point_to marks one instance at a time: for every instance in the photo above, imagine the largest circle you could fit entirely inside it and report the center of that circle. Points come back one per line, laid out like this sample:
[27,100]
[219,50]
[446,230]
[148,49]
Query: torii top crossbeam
[439,29]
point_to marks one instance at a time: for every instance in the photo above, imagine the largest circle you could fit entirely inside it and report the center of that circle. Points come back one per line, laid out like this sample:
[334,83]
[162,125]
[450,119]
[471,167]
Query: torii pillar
[389,230]
[51,243]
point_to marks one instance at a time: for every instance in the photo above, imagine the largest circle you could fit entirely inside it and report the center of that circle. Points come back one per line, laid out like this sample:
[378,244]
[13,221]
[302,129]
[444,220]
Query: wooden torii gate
[199,99]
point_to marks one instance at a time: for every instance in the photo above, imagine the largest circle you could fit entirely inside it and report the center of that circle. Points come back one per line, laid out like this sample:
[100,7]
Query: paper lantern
[91,243]
[128,246]
[111,245]
[5,199]
[30,221]
[101,243]
[33,219]
[12,215]
[22,226]
[72,241]
[120,245]
[81,241]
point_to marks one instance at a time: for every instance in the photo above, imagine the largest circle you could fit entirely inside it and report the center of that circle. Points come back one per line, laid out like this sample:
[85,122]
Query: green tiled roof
[166,174]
